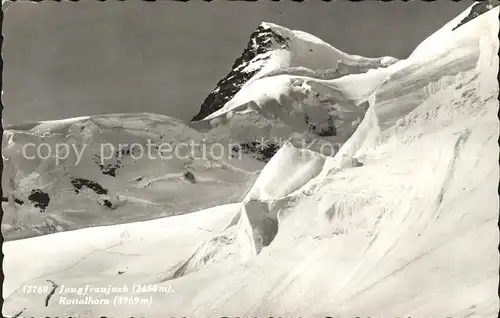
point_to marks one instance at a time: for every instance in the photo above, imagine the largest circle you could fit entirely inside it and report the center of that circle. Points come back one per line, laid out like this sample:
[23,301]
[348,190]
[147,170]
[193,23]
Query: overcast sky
[82,58]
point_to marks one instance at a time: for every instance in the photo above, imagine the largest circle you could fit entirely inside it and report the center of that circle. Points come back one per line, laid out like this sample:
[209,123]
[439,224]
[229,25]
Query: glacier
[400,220]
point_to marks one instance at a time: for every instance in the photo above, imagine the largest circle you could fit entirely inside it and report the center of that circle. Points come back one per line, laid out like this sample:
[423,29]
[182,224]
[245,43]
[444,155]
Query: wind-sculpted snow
[344,67]
[309,113]
[401,222]
[257,223]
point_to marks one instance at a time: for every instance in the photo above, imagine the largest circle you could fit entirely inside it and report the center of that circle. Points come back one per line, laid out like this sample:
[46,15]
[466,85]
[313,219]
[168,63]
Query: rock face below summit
[251,61]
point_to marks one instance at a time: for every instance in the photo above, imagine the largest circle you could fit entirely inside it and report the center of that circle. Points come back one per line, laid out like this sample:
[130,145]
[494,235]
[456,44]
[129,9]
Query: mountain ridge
[400,221]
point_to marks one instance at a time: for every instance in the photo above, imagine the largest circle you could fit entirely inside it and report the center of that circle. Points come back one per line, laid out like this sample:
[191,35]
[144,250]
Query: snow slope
[401,222]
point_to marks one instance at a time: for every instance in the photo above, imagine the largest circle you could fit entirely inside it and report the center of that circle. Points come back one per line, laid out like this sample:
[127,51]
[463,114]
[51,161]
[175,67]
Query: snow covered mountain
[274,48]
[291,86]
[101,171]
[401,221]
[270,101]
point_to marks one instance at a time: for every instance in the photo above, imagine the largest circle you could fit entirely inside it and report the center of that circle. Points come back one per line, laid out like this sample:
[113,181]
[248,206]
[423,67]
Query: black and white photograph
[250,158]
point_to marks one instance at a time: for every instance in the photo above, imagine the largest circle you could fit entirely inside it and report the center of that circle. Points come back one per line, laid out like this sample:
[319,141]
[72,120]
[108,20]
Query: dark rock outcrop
[39,199]
[477,10]
[79,183]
